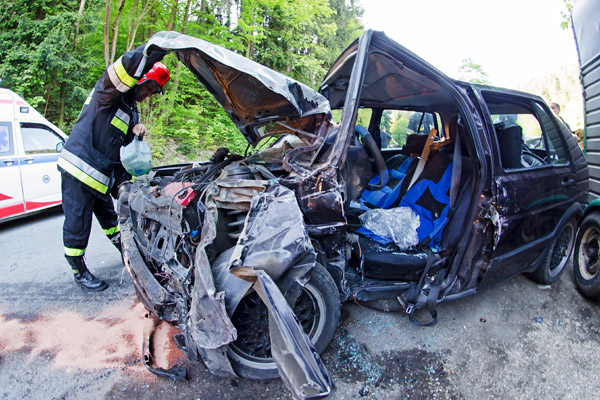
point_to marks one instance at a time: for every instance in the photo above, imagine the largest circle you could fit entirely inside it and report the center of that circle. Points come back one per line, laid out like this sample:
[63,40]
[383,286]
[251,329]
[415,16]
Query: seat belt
[436,283]
[431,302]
[423,159]
[414,300]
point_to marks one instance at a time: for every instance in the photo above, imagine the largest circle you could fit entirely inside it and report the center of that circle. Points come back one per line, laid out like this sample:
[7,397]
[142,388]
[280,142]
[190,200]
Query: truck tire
[586,264]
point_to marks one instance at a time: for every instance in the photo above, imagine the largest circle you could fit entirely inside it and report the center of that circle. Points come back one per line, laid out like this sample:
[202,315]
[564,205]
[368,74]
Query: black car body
[496,184]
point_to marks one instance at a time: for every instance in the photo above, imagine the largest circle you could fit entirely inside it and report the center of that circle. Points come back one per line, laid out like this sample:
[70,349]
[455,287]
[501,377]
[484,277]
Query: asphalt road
[516,341]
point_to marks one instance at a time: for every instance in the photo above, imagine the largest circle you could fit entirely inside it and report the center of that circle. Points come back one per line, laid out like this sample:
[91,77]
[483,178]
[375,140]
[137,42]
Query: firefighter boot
[116,241]
[83,277]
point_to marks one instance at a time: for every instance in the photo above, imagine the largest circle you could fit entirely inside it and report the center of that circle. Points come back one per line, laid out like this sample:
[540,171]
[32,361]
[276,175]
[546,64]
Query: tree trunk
[61,115]
[79,14]
[138,21]
[228,14]
[115,28]
[107,34]
[175,81]
[173,18]
[186,16]
[249,48]
[133,17]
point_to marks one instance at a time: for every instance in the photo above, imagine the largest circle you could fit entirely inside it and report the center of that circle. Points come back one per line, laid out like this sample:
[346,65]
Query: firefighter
[90,163]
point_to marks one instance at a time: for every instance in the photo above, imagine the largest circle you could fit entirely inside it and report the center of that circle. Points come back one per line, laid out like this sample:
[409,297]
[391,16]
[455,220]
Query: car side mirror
[59,147]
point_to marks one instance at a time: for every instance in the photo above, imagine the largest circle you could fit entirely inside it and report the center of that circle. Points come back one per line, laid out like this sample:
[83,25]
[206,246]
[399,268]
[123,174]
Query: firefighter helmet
[159,73]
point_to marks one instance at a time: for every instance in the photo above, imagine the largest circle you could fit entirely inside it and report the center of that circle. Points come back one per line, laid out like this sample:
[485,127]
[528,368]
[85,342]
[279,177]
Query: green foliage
[40,60]
[36,49]
[292,43]
[470,71]
[395,122]
[566,13]
[191,118]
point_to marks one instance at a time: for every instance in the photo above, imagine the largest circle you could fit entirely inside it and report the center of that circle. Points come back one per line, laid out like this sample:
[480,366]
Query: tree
[470,71]
[564,87]
[37,58]
[77,23]
[136,21]
[52,53]
[293,38]
[566,13]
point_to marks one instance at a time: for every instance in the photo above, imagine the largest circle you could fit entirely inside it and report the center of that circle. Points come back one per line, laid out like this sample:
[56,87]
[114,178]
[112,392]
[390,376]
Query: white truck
[29,149]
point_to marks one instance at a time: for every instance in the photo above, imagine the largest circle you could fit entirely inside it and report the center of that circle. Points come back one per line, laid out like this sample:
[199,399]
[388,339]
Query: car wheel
[317,309]
[557,256]
[586,265]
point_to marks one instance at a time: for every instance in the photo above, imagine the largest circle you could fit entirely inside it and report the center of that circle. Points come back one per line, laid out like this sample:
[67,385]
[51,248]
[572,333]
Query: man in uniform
[90,163]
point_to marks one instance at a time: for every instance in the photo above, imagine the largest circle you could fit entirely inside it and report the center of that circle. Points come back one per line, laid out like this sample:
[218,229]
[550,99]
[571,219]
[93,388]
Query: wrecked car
[446,189]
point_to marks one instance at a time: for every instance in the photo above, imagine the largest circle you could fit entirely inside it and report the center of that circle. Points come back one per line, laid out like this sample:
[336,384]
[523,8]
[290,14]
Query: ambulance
[29,149]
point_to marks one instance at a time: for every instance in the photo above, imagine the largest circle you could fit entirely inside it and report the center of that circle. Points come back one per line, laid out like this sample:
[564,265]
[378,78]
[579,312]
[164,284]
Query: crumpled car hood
[250,93]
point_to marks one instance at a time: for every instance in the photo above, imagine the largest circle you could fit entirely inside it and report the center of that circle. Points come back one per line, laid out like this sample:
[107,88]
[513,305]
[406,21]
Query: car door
[11,193]
[534,181]
[40,178]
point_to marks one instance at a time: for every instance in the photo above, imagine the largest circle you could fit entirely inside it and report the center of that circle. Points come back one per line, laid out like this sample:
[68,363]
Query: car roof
[394,77]
[503,91]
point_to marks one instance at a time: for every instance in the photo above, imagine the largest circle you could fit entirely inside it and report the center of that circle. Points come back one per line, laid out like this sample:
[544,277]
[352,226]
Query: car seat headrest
[414,144]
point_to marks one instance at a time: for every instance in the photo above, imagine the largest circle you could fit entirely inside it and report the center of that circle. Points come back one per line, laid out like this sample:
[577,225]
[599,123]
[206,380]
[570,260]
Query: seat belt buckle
[409,308]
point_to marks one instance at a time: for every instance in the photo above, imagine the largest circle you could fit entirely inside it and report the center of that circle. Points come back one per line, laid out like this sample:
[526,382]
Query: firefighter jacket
[91,153]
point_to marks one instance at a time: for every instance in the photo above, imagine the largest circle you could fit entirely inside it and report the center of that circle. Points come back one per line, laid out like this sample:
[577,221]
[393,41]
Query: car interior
[425,188]
[421,174]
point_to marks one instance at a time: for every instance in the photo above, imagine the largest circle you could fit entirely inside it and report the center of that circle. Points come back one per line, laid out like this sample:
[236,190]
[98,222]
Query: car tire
[557,255]
[322,297]
[586,264]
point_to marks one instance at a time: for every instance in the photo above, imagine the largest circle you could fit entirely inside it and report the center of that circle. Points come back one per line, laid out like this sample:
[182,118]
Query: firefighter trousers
[78,205]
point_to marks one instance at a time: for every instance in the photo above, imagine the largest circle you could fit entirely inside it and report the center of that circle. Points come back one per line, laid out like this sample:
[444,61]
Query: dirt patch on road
[76,341]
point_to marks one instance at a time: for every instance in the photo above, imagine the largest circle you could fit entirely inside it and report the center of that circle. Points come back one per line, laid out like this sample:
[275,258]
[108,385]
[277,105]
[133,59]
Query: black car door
[534,181]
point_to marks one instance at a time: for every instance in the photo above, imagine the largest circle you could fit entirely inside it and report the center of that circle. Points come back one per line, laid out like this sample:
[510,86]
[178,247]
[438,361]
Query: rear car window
[396,125]
[526,135]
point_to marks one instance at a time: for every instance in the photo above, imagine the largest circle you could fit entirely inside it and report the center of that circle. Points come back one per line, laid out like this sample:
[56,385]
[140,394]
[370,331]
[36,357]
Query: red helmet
[158,73]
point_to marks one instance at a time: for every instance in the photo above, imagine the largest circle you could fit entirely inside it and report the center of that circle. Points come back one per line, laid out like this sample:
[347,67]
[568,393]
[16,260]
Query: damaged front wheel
[317,309]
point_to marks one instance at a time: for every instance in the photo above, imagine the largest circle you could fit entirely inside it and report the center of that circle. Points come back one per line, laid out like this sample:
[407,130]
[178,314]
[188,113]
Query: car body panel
[280,248]
[36,167]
